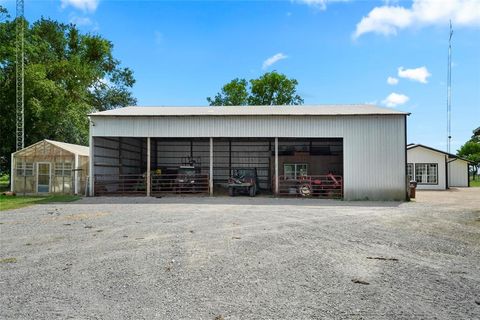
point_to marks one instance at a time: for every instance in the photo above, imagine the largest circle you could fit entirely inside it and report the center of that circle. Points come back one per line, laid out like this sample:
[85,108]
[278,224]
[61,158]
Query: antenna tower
[20,70]
[449,89]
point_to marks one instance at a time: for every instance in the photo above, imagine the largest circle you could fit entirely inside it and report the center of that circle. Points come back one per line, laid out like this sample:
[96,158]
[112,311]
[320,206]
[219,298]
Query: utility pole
[449,89]
[20,70]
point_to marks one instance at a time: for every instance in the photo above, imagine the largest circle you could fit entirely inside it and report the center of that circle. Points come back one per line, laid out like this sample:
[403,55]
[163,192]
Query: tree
[471,151]
[67,75]
[234,93]
[272,88]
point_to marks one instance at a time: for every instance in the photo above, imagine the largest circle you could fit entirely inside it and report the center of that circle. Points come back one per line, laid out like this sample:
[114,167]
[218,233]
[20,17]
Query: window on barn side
[426,173]
[63,169]
[295,170]
[24,169]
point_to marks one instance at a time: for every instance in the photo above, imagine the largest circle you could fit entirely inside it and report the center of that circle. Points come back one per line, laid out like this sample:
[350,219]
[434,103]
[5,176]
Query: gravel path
[243,258]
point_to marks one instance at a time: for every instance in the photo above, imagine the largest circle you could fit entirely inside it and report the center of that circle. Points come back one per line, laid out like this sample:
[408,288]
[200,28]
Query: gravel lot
[243,258]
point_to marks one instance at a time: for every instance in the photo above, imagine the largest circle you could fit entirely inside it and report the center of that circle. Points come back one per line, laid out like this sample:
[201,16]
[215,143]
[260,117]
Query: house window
[410,171]
[24,169]
[426,173]
[63,169]
[295,170]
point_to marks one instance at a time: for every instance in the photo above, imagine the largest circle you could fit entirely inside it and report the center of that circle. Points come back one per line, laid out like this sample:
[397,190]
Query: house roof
[73,148]
[304,110]
[450,155]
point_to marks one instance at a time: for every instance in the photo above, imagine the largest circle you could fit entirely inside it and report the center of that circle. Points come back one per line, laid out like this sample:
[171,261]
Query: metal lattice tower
[20,70]
[449,90]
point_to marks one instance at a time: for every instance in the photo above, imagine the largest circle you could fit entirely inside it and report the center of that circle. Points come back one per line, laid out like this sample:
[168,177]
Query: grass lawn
[14,202]
[475,183]
[4,181]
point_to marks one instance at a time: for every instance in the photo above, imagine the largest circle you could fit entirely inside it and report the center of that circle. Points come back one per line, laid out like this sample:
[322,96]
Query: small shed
[50,167]
[434,169]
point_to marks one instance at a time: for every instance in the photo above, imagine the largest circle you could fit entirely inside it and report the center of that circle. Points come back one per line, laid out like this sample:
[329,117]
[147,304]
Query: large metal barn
[337,151]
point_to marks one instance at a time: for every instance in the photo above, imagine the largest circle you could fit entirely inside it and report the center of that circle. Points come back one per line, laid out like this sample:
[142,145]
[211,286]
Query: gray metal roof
[304,110]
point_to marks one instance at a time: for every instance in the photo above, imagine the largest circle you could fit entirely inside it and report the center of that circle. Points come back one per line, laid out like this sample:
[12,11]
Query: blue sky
[339,51]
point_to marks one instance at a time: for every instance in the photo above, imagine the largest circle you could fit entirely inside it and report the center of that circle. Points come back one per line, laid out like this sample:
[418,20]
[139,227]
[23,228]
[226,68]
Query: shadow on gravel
[237,201]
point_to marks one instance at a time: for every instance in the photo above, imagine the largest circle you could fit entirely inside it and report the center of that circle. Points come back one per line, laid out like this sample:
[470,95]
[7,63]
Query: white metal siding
[457,173]
[374,146]
[422,155]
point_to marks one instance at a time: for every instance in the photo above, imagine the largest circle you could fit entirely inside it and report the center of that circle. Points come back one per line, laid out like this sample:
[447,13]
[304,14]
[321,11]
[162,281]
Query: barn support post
[210,181]
[276,166]
[148,166]
[75,175]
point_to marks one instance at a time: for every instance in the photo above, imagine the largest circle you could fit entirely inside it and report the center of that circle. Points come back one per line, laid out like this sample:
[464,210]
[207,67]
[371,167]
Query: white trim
[90,161]
[75,173]
[49,176]
[12,176]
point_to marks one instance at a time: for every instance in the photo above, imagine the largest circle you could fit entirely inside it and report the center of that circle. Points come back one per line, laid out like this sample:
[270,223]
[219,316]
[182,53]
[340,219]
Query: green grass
[476,182]
[4,181]
[14,202]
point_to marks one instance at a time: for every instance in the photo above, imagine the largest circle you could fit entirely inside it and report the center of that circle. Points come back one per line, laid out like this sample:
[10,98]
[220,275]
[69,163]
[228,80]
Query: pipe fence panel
[120,184]
[322,186]
[176,183]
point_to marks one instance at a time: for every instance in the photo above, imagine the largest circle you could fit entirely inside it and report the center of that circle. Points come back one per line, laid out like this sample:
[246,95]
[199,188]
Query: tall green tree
[234,93]
[272,88]
[67,75]
[471,151]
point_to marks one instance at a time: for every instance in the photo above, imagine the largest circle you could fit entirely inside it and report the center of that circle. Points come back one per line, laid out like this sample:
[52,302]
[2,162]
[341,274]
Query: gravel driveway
[243,258]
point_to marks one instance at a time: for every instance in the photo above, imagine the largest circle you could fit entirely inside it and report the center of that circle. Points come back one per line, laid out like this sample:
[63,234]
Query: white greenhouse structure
[354,152]
[50,167]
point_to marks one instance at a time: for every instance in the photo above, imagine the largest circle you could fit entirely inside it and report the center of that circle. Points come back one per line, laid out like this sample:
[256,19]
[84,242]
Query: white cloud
[318,4]
[418,74]
[388,19]
[84,5]
[392,81]
[273,59]
[81,21]
[395,99]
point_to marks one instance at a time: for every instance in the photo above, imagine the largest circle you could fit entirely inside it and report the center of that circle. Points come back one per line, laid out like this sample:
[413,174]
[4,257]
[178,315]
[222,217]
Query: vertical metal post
[75,175]
[91,160]
[276,166]
[210,182]
[148,165]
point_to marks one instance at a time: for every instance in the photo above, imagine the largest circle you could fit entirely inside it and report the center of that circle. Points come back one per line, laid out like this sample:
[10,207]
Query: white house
[434,169]
[348,151]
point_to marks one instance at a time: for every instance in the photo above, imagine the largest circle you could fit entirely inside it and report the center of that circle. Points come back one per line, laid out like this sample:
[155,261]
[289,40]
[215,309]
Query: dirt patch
[78,216]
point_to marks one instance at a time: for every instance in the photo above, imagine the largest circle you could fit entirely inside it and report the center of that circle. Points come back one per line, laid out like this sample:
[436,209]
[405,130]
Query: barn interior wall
[322,156]
[119,155]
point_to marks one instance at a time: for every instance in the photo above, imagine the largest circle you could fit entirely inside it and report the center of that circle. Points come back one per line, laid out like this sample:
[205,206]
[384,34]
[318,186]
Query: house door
[43,177]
